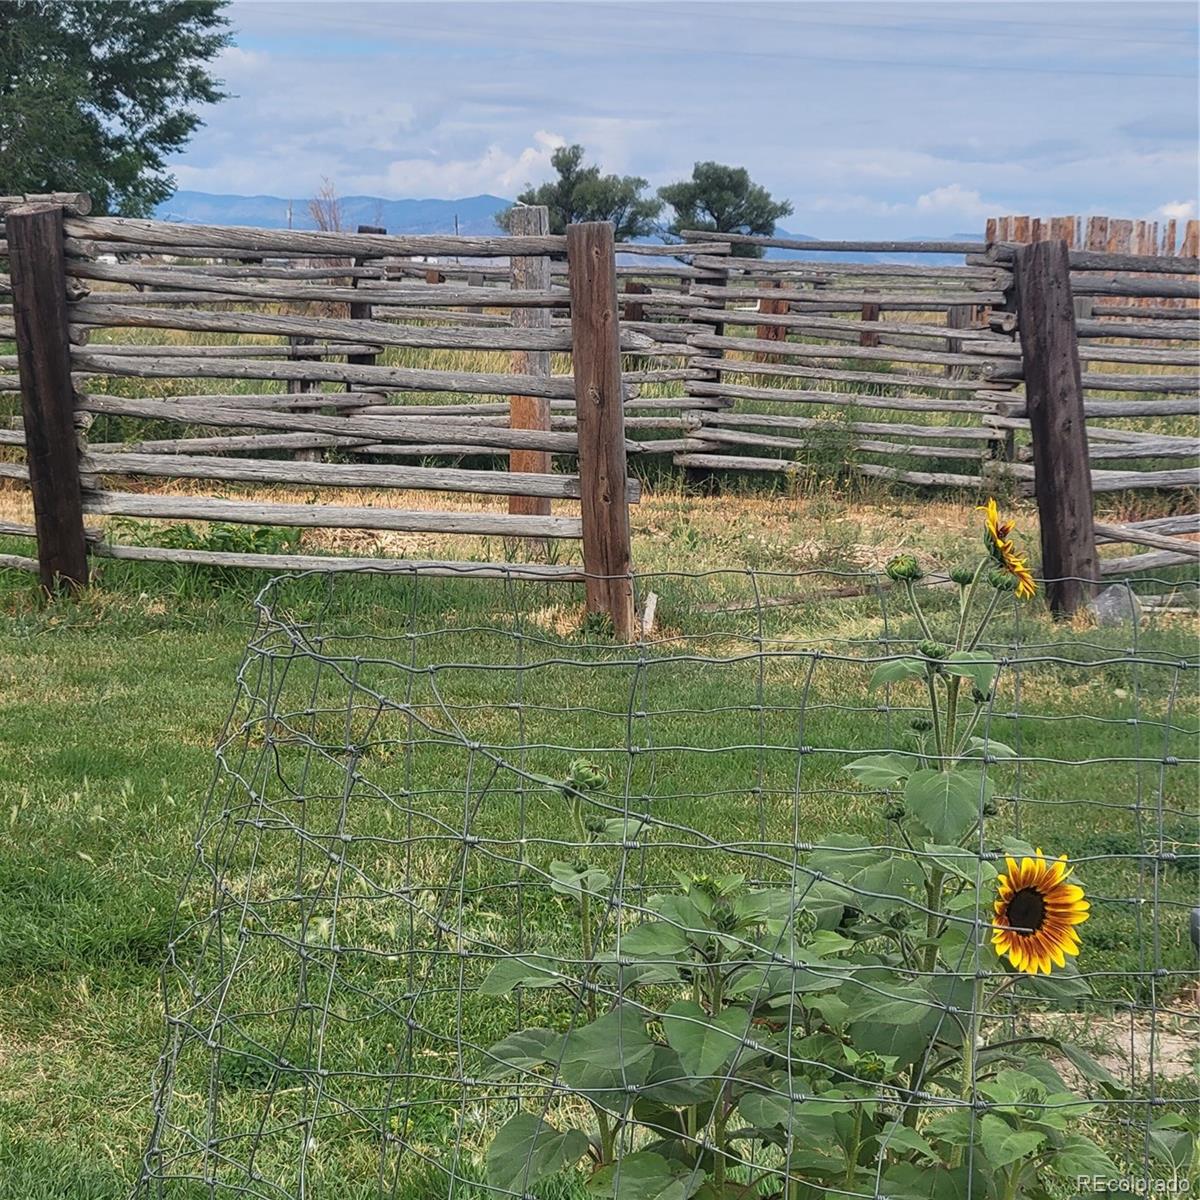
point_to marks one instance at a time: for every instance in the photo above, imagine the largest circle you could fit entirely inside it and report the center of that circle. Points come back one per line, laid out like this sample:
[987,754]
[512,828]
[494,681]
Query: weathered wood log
[1054,400]
[817,324]
[1116,354]
[397,379]
[1153,560]
[327,516]
[783,466]
[1159,287]
[1147,537]
[741,366]
[1147,313]
[744,239]
[35,237]
[1122,481]
[1092,260]
[905,403]
[1103,408]
[913,300]
[384,295]
[251,241]
[705,420]
[437,479]
[291,351]
[806,350]
[599,400]
[362,329]
[1164,331]
[374,427]
[534,572]
[78,204]
[740,437]
[249,442]
[19,562]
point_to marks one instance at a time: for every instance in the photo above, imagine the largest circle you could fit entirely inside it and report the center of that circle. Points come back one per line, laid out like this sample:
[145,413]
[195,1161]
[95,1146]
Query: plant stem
[855,1146]
[933,897]
[912,600]
[964,604]
[970,1037]
[935,716]
[983,624]
[720,1115]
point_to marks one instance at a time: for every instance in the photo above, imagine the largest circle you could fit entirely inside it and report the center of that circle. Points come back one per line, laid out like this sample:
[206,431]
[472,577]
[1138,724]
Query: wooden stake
[39,287]
[599,406]
[1054,399]
[530,412]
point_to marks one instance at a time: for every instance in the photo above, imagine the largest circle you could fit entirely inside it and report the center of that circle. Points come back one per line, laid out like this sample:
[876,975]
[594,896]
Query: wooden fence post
[1054,400]
[870,312]
[361,312]
[39,288]
[599,408]
[530,412]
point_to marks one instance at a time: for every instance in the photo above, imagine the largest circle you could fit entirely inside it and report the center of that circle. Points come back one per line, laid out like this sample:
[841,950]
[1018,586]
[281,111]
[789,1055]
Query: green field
[112,708]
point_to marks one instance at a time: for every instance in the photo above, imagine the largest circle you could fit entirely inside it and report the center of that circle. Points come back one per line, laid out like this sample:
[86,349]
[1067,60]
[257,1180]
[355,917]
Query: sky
[874,119]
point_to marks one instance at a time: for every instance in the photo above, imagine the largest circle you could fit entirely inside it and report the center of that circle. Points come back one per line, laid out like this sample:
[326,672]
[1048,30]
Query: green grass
[112,707]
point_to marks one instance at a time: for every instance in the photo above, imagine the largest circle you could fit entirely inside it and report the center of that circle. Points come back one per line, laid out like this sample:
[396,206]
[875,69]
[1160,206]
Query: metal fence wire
[487,905]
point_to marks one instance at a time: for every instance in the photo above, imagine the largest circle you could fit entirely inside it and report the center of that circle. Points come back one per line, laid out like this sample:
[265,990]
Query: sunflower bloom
[997,539]
[1036,914]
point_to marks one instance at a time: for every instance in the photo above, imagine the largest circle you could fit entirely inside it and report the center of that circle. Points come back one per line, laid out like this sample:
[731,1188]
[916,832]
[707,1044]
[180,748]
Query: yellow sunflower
[1036,912]
[1001,547]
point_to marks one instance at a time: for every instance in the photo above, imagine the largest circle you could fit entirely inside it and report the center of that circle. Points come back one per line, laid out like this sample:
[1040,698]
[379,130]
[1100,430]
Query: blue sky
[874,118]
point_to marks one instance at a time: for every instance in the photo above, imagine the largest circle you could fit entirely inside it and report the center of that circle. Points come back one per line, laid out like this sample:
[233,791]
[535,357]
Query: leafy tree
[94,95]
[725,200]
[581,193]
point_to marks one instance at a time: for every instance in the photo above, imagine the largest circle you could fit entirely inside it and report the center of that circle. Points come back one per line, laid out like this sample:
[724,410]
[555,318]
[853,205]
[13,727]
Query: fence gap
[1054,401]
[599,408]
[39,287]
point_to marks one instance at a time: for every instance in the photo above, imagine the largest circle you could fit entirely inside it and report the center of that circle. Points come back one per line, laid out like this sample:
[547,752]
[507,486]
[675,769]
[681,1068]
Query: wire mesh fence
[486,905]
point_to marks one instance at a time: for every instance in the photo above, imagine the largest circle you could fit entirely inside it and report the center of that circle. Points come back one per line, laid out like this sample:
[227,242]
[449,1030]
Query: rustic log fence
[388,346]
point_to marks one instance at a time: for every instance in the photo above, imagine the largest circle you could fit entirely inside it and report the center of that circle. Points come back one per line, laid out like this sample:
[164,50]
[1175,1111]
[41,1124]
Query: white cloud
[495,170]
[1177,210]
[956,199]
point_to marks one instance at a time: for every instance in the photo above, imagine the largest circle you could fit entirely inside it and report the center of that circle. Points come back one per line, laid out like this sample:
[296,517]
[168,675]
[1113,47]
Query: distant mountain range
[475,215]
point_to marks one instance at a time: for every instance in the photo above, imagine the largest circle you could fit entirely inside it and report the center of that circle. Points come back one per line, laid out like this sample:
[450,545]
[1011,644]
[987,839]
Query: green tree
[581,193]
[94,95]
[724,200]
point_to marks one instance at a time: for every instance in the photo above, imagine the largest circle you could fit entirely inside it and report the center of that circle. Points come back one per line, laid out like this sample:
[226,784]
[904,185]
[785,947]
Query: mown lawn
[111,709]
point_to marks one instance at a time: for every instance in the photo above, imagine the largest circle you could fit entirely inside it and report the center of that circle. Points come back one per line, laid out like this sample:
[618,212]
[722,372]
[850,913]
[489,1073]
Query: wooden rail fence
[483,363]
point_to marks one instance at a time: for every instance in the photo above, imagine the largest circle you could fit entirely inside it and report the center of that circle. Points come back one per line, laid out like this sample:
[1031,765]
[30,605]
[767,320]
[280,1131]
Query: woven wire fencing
[486,905]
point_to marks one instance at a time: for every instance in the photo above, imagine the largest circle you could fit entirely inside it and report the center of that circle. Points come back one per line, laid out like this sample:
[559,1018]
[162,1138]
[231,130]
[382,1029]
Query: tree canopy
[94,95]
[724,200]
[582,193]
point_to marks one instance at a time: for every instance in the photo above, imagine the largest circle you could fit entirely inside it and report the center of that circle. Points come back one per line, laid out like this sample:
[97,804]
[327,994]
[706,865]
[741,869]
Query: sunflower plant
[838,1032]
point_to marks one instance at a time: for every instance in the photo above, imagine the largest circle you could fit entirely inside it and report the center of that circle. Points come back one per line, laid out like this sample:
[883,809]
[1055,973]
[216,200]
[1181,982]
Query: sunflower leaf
[976,665]
[947,803]
[896,670]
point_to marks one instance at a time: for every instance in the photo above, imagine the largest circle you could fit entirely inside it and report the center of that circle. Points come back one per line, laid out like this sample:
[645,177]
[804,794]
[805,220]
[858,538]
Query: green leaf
[529,1148]
[569,880]
[1004,1145]
[881,770]
[602,1060]
[889,881]
[522,1051]
[896,670]
[668,1082]
[654,939]
[645,1176]
[1079,1155]
[947,803]
[976,665]
[704,1043]
[978,747]
[896,1136]
[960,863]
[1092,1070]
[532,970]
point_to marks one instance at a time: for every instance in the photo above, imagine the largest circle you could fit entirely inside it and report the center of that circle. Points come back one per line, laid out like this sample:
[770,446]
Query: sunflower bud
[870,1066]
[990,808]
[904,567]
[962,575]
[1002,581]
[936,650]
[894,810]
[595,824]
[585,776]
[920,725]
